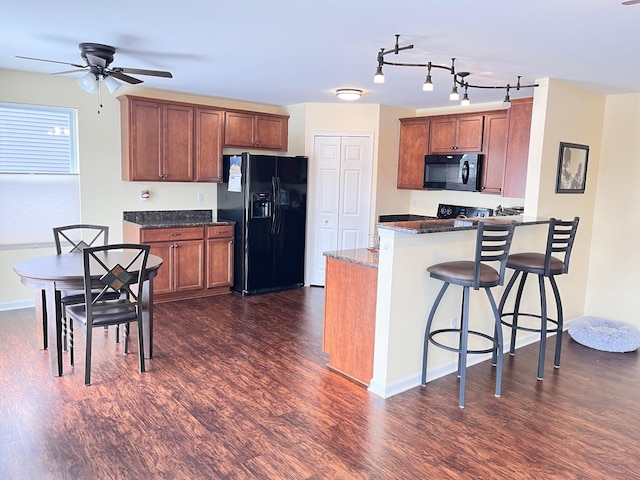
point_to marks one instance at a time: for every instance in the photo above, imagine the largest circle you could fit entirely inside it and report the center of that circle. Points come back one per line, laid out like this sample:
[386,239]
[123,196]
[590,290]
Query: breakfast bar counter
[376,303]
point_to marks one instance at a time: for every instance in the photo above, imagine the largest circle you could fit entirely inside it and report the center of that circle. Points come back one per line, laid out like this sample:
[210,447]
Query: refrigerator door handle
[278,201]
[274,200]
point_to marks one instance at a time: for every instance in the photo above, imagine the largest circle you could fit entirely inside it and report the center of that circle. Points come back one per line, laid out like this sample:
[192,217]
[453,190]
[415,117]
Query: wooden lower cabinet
[194,265]
[220,256]
[350,318]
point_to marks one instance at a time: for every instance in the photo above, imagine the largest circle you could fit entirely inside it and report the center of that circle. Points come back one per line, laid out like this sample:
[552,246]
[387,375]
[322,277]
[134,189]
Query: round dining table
[51,274]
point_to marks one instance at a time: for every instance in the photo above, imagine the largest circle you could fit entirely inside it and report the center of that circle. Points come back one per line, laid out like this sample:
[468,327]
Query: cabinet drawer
[169,234]
[220,231]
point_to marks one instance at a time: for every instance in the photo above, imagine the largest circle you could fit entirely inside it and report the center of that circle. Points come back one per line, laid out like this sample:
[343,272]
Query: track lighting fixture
[459,78]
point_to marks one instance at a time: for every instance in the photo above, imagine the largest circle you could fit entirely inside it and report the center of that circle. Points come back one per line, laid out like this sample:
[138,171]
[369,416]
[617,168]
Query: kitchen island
[405,293]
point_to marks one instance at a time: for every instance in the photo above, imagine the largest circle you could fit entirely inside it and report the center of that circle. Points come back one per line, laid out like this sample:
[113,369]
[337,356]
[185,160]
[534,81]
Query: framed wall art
[572,168]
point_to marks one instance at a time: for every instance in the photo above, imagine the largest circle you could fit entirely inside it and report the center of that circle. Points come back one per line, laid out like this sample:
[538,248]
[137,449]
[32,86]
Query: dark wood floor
[238,389]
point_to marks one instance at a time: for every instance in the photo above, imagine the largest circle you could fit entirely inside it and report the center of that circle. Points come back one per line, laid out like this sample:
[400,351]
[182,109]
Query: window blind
[39,185]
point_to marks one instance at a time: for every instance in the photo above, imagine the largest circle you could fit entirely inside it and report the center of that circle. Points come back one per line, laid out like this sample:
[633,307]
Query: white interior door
[342,173]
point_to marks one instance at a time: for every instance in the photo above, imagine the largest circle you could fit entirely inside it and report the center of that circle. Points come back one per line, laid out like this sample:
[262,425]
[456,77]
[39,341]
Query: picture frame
[572,168]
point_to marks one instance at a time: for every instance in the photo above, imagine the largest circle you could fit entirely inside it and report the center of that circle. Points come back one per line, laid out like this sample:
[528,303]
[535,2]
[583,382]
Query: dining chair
[73,239]
[106,272]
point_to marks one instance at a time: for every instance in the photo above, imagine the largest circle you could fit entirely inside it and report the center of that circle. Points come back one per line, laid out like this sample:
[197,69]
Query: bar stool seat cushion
[533,262]
[605,335]
[461,273]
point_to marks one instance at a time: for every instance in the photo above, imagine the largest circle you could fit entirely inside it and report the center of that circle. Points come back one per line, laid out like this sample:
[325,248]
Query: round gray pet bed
[605,335]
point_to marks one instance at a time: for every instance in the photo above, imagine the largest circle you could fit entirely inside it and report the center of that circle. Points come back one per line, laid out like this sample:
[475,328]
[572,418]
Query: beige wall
[612,287]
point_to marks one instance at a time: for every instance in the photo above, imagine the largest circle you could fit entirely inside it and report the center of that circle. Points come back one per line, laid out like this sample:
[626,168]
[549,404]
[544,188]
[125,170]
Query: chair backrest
[493,243]
[560,240]
[117,267]
[80,237]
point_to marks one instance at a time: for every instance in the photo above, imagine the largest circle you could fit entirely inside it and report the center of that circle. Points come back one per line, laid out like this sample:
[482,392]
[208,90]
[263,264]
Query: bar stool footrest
[458,349]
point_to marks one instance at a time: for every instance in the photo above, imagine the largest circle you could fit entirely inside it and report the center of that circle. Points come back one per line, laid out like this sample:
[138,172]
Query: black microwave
[453,171]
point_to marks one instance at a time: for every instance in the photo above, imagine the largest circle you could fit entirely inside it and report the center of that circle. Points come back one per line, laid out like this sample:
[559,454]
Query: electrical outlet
[200,197]
[454,322]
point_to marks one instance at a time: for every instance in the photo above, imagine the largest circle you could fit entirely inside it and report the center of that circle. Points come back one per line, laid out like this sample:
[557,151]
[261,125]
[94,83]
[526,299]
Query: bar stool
[493,242]
[560,241]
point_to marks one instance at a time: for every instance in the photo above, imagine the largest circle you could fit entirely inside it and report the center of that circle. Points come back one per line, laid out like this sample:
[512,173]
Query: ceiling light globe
[349,93]
[89,83]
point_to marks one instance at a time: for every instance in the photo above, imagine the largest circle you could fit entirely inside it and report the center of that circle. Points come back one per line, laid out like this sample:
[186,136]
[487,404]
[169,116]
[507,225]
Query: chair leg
[428,330]
[140,344]
[117,333]
[559,318]
[543,327]
[516,312]
[126,338]
[45,326]
[464,339]
[71,355]
[498,343]
[87,357]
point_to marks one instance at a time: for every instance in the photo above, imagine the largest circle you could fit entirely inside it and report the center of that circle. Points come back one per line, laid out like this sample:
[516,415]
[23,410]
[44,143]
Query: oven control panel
[457,211]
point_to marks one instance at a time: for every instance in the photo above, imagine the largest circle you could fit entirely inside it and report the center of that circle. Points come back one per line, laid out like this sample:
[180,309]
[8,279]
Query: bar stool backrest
[80,236]
[492,245]
[560,240]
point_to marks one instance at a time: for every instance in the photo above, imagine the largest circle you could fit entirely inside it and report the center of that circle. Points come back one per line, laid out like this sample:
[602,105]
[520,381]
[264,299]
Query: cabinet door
[442,138]
[208,157]
[178,143]
[163,282]
[238,129]
[189,261]
[515,172]
[414,145]
[271,132]
[219,262]
[497,127]
[469,134]
[145,141]
[456,133]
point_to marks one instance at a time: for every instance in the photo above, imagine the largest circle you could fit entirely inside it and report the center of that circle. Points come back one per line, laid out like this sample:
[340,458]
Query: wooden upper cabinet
[495,143]
[256,130]
[176,163]
[515,173]
[414,145]
[208,144]
[142,140]
[456,133]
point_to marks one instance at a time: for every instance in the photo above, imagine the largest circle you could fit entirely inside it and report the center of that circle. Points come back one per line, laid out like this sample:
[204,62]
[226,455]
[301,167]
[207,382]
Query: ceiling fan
[98,58]
[630,2]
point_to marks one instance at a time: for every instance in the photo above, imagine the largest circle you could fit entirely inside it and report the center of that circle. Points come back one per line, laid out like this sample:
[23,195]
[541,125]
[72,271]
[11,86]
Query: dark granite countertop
[173,218]
[360,256]
[451,225]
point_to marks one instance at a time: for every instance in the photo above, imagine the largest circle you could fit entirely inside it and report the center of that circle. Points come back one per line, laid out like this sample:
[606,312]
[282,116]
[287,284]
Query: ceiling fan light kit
[459,78]
[349,93]
[98,58]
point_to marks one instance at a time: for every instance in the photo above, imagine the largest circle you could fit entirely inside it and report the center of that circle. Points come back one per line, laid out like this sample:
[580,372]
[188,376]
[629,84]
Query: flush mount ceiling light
[348,93]
[459,78]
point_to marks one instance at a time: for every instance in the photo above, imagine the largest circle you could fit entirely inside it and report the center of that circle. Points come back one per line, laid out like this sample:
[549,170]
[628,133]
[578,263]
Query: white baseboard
[17,305]
[407,383]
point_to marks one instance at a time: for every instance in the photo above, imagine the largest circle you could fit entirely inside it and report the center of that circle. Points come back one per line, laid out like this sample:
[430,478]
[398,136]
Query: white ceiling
[284,52]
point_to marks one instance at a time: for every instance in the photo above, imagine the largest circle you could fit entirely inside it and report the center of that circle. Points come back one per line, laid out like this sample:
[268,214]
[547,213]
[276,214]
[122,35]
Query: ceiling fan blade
[52,61]
[70,71]
[155,73]
[93,60]
[125,78]
[630,2]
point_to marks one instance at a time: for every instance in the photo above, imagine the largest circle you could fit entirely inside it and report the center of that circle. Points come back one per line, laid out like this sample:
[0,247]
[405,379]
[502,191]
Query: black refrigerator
[267,198]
